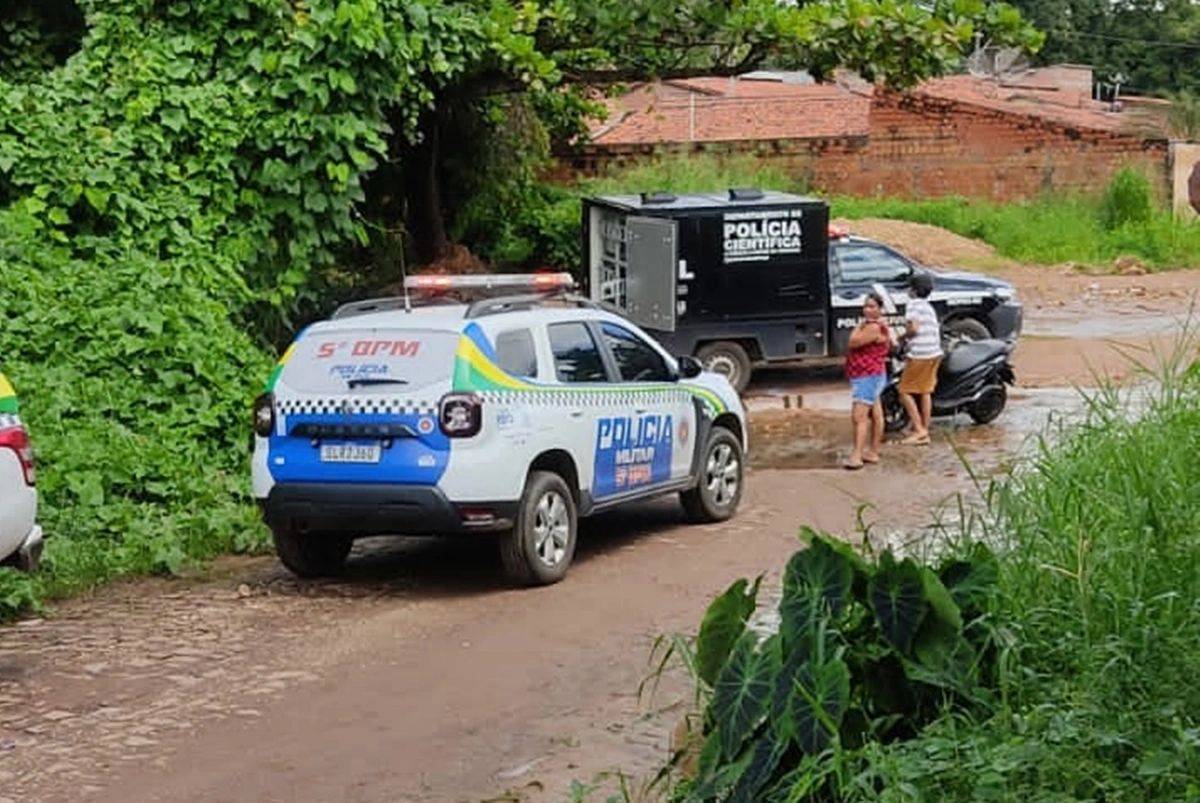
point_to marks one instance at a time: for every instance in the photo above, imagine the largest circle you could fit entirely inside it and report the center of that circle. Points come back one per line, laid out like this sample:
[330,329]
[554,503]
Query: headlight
[460,415]
[264,415]
[1005,293]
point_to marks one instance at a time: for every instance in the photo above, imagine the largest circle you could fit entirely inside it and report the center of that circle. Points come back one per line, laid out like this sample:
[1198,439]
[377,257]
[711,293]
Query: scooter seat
[968,355]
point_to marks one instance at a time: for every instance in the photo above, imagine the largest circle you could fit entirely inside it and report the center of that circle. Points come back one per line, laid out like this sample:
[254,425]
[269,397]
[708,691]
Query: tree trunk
[427,216]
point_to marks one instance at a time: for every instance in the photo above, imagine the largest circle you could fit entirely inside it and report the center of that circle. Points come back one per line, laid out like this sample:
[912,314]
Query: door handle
[640,412]
[577,414]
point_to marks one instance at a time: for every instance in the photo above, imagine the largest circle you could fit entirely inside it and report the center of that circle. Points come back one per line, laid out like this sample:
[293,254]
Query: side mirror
[689,367]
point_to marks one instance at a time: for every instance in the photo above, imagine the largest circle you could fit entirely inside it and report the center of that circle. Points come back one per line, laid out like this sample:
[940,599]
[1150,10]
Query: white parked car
[20,536]
[515,414]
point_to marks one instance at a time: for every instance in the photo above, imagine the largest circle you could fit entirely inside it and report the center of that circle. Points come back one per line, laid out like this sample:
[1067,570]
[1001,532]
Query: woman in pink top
[866,368]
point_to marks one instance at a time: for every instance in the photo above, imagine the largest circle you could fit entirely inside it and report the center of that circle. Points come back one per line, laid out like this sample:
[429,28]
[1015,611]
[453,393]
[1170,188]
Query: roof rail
[499,304]
[367,306]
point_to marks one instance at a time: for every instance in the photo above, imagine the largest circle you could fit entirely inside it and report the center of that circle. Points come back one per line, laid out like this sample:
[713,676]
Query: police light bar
[487,281]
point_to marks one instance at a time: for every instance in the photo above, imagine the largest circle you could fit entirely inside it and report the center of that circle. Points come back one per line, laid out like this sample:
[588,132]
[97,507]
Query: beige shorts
[920,376]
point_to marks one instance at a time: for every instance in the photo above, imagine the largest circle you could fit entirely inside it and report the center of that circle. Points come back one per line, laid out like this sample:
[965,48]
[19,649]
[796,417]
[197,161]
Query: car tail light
[17,439]
[264,415]
[460,415]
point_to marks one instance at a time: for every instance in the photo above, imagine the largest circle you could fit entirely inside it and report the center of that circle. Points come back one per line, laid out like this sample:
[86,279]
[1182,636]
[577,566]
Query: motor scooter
[971,379]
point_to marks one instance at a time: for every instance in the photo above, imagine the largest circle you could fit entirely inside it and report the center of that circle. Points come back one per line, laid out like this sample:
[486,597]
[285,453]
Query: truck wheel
[716,495]
[311,555]
[895,417]
[540,546]
[962,330]
[989,405]
[728,359]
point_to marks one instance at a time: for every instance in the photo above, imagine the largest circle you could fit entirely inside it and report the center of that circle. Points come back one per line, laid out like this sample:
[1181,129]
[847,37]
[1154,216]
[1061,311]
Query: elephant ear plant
[864,651]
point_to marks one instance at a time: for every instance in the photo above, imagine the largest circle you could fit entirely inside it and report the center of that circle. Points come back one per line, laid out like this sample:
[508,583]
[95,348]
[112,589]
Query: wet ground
[420,676]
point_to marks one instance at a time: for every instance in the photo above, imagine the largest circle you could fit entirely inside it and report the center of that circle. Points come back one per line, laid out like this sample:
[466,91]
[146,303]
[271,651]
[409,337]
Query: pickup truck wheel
[311,554]
[716,495]
[539,549]
[962,330]
[728,359]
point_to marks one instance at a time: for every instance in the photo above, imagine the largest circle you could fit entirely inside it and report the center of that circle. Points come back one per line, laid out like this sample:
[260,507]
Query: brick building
[962,135]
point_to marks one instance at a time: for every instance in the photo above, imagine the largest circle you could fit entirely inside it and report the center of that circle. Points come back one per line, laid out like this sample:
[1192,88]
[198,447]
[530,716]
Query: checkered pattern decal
[355,405]
[584,398]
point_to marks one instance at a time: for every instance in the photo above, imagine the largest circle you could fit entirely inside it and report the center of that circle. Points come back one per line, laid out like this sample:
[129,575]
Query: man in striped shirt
[923,335]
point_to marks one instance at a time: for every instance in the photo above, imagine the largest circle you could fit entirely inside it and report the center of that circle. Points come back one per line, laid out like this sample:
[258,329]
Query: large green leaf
[816,584]
[822,693]
[941,632]
[897,594]
[765,754]
[743,690]
[971,581]
[858,564]
[724,622]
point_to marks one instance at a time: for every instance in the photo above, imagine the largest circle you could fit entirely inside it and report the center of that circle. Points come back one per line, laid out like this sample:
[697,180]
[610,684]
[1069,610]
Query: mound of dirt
[927,244]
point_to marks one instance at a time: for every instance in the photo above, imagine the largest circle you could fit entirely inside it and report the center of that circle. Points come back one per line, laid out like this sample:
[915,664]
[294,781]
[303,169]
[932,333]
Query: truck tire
[962,330]
[539,548]
[309,554]
[719,489]
[729,359]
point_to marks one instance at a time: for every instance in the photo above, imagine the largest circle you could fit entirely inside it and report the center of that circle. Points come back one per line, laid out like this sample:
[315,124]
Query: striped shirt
[927,342]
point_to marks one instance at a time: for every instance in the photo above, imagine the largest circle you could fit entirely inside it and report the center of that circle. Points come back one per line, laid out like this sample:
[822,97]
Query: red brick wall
[920,147]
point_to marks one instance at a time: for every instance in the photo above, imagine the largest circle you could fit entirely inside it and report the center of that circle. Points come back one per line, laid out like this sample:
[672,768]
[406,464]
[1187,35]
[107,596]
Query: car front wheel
[311,554]
[541,545]
[716,495]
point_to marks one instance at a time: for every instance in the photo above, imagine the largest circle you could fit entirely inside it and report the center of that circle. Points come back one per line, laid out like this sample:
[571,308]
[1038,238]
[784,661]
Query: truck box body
[746,265]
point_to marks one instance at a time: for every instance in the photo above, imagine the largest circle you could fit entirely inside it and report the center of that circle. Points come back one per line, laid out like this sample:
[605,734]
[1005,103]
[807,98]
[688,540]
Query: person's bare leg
[871,455]
[858,417]
[914,415]
[926,411]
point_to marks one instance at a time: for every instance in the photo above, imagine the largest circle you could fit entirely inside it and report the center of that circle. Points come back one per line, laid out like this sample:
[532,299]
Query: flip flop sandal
[914,440]
[870,460]
[852,466]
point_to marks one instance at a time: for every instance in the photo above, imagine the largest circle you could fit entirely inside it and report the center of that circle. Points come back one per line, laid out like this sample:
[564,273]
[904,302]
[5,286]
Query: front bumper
[362,509]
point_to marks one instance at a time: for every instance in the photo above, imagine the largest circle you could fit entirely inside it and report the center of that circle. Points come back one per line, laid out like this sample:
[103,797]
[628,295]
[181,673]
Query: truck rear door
[650,280]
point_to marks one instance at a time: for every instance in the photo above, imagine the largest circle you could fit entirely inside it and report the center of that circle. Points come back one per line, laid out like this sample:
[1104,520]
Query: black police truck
[748,278]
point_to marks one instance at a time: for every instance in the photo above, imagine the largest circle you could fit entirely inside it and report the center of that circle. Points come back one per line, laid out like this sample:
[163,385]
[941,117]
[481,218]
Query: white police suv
[516,414]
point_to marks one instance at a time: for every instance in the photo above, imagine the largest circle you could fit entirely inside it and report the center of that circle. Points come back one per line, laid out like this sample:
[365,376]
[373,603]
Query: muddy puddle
[817,435]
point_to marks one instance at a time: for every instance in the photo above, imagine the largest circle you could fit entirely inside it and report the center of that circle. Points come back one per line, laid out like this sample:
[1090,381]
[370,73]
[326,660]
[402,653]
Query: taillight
[264,415]
[460,415]
[17,439]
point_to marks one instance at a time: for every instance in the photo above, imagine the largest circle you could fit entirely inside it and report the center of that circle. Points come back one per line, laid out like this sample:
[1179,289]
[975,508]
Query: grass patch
[1082,638]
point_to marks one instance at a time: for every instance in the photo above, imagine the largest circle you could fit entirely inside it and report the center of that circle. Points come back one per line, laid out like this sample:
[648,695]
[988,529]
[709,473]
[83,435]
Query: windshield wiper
[370,381]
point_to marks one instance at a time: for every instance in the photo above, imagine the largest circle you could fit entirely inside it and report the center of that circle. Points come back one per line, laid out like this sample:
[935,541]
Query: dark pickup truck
[747,278]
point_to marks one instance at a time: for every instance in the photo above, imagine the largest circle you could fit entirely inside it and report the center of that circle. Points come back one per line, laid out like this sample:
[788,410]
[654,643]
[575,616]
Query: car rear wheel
[541,545]
[311,554]
[716,495]
[728,359]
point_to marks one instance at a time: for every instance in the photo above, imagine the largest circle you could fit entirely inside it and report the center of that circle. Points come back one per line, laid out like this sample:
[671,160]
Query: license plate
[350,452]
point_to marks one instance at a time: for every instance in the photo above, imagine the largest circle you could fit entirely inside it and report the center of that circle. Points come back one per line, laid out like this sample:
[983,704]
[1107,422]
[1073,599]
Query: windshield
[370,360]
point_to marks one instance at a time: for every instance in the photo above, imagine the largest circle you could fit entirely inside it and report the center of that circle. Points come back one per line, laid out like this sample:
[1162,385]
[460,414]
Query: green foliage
[1184,117]
[866,652]
[1064,681]
[724,623]
[1126,200]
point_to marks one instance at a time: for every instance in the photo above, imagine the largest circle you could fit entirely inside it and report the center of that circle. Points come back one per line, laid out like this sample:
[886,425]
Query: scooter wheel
[895,417]
[989,405]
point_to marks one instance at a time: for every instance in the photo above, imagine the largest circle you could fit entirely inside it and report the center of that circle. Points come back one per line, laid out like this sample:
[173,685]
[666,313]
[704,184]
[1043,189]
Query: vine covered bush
[193,163]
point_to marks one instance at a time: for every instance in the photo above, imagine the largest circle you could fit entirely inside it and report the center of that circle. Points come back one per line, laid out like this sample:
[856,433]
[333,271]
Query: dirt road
[419,676]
